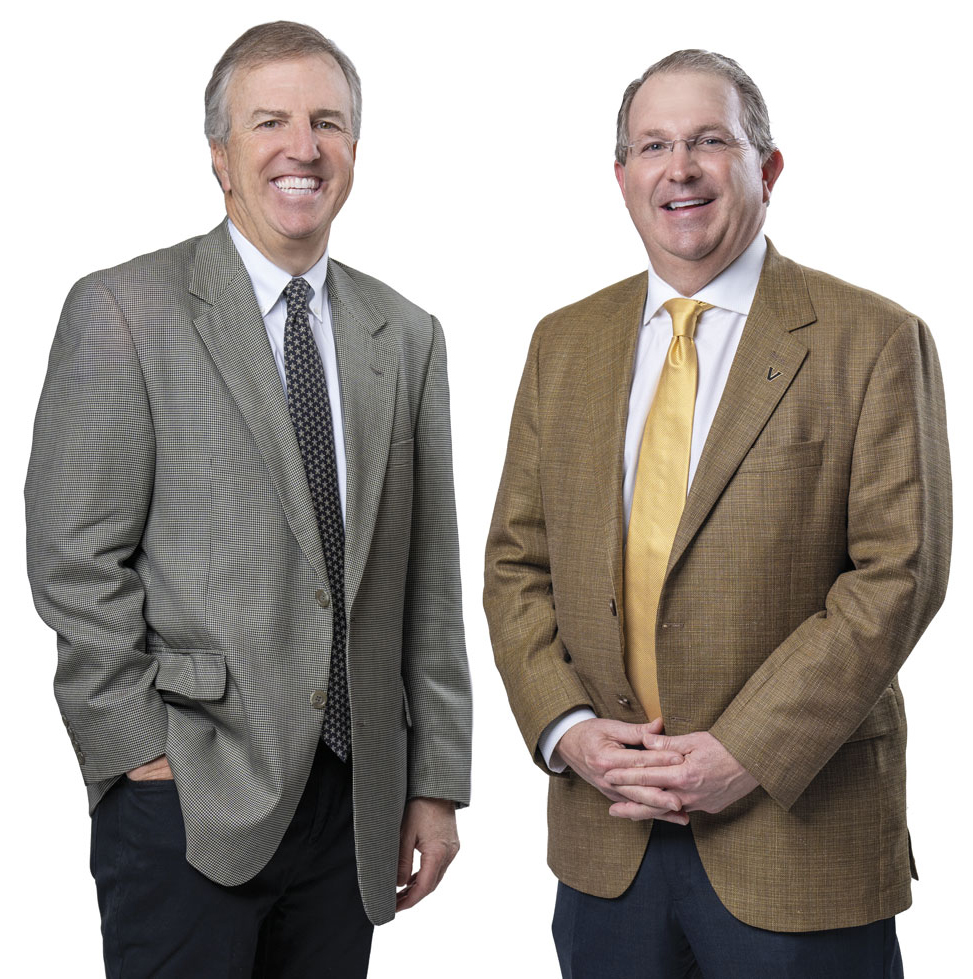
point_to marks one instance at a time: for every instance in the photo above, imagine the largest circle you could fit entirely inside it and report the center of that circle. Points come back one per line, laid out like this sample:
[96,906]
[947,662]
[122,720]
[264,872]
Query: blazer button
[567,656]
[318,699]
[625,702]
[613,607]
[324,599]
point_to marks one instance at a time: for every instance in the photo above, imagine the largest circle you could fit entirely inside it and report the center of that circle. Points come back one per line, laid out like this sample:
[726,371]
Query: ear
[221,167]
[620,177]
[770,171]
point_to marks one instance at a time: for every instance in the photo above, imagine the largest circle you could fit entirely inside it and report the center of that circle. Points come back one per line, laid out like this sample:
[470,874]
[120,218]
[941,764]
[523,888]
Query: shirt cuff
[553,733]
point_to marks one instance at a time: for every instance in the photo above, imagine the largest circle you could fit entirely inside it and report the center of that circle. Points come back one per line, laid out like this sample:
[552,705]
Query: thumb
[404,867]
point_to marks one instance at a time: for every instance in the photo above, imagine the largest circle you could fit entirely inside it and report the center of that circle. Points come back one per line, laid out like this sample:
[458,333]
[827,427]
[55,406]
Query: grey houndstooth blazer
[173,546]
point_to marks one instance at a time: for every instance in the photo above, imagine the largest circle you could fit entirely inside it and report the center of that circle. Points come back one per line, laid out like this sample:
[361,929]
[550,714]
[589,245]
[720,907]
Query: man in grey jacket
[241,525]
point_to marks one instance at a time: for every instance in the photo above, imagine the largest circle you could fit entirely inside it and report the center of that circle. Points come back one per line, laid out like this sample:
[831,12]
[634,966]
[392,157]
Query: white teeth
[297,183]
[674,205]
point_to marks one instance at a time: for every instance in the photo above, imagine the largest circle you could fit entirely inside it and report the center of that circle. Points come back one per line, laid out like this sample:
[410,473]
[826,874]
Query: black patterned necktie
[310,408]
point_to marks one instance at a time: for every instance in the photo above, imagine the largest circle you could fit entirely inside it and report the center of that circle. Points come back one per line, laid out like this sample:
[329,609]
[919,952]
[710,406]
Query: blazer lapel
[766,362]
[234,333]
[368,366]
[611,355]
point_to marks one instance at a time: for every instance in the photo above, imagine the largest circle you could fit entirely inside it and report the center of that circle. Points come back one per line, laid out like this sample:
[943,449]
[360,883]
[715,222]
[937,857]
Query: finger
[637,812]
[651,758]
[640,811]
[625,733]
[608,791]
[656,740]
[679,818]
[651,796]
[157,770]
[432,866]
[615,757]
[633,811]
[404,869]
[660,776]
[402,894]
[611,757]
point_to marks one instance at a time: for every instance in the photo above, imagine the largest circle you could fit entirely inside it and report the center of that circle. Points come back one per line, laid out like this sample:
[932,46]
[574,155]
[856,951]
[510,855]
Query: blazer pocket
[405,707]
[401,451]
[775,458]
[199,674]
[883,717]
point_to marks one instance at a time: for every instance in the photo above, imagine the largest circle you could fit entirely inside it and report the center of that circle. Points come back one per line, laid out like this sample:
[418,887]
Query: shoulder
[828,291]
[588,313]
[846,310]
[617,306]
[167,265]
[139,290]
[372,299]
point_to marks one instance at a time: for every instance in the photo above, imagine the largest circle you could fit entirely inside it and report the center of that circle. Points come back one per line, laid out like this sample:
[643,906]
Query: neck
[688,276]
[686,282]
[294,255]
[295,261]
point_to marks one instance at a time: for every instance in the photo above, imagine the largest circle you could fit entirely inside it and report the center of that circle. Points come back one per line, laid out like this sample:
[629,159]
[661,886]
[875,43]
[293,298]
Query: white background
[484,192]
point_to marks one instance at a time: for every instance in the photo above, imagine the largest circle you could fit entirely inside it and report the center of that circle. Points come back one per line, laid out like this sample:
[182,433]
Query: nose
[302,144]
[682,165]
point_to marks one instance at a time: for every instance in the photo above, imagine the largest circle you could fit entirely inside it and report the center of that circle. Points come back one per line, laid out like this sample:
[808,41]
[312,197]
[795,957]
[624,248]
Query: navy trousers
[301,917]
[670,924]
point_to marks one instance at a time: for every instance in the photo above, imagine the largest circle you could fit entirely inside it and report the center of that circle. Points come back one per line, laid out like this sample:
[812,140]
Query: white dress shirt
[718,333]
[269,283]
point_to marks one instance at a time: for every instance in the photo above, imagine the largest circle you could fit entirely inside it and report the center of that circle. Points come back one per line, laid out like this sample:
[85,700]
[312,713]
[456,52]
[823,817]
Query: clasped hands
[669,778]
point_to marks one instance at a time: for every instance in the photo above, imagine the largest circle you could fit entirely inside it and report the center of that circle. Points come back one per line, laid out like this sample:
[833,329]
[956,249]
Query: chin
[299,230]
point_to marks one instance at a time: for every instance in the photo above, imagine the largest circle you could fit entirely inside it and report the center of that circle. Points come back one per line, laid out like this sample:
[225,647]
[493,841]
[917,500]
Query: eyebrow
[284,114]
[710,127]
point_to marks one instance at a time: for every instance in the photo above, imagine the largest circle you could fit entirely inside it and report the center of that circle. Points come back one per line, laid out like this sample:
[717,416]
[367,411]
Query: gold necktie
[661,484]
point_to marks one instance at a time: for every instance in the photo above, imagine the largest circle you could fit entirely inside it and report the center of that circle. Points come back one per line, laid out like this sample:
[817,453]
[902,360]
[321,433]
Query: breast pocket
[780,458]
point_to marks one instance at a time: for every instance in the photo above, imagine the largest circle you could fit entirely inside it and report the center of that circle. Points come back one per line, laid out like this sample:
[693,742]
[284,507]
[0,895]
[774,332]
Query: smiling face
[696,212]
[288,164]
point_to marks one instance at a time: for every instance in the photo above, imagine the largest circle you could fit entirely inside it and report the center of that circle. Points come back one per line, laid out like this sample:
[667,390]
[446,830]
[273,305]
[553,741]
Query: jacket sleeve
[435,670]
[518,593]
[88,492]
[817,687]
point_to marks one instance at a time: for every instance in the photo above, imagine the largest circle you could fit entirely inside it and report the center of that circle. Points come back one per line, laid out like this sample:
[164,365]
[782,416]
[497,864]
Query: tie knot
[685,313]
[295,294]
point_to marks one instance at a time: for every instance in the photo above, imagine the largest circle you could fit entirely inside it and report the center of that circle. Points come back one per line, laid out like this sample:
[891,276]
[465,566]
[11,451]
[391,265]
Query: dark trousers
[301,917]
[670,924]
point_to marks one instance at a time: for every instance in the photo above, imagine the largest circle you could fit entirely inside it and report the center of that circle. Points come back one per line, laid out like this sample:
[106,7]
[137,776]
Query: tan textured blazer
[812,553]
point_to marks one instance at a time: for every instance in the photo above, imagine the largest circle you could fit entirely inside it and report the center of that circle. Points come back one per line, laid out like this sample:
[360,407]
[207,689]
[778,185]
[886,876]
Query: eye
[711,140]
[269,124]
[653,147]
[326,125]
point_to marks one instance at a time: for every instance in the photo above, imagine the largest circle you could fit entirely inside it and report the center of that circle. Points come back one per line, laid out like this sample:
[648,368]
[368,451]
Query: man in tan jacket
[723,524]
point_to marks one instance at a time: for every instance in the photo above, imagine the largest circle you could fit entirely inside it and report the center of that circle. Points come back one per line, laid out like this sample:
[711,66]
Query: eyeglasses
[650,148]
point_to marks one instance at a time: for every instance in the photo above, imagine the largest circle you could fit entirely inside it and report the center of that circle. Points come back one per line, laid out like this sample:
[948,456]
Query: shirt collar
[733,289]
[269,281]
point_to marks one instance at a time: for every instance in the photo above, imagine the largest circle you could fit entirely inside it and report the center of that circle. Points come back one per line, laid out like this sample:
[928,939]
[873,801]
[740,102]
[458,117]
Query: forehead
[680,102]
[311,82]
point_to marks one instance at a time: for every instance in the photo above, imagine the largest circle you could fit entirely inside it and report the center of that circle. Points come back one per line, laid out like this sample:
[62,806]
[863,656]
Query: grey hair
[280,40]
[755,119]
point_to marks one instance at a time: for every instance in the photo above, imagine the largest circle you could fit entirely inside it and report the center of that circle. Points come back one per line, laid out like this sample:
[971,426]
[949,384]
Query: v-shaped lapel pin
[780,308]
